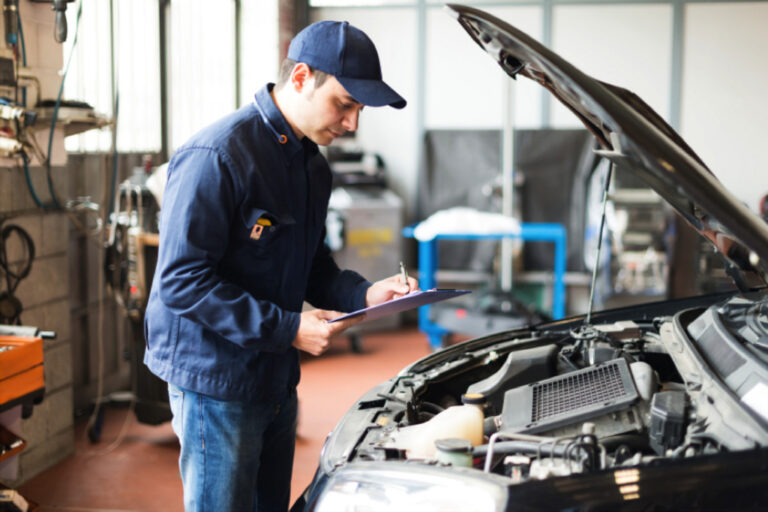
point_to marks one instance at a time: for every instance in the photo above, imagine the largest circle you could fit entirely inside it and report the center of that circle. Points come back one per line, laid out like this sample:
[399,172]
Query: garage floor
[141,473]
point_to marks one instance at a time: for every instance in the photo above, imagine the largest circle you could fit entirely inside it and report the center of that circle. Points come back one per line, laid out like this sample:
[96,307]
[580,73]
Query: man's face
[327,111]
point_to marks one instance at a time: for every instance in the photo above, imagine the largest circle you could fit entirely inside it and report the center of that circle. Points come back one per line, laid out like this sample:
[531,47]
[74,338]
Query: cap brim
[374,93]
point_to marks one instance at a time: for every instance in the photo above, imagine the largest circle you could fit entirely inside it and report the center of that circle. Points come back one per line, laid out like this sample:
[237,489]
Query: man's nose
[350,120]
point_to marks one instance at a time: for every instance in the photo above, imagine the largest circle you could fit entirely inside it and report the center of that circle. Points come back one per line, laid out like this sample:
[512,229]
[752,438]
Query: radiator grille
[572,392]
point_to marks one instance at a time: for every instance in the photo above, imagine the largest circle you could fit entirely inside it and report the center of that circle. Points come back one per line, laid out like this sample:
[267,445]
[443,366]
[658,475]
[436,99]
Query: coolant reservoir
[457,422]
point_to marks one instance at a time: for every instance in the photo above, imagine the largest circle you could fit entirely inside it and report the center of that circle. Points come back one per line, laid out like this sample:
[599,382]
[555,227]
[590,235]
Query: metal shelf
[72,120]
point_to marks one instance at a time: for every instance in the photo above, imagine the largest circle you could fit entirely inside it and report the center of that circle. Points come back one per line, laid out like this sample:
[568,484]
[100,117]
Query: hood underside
[633,136]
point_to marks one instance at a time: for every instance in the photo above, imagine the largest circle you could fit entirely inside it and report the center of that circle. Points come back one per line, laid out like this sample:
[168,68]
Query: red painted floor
[141,472]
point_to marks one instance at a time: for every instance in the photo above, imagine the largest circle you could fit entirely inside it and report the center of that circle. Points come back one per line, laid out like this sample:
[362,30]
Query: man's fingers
[324,314]
[342,325]
[314,331]
[320,347]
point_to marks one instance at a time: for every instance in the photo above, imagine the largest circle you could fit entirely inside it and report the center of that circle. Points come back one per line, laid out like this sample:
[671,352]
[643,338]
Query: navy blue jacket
[241,247]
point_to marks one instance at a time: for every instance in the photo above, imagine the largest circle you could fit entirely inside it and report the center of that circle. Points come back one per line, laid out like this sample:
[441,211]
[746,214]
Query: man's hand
[388,289]
[315,332]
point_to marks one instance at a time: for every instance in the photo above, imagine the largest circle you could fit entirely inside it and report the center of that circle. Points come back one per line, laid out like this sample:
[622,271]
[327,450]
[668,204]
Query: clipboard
[404,303]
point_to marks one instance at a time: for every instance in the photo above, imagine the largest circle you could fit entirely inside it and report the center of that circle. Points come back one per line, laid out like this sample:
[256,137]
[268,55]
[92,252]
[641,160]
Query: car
[659,406]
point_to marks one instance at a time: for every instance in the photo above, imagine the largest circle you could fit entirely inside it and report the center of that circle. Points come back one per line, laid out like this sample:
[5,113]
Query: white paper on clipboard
[404,303]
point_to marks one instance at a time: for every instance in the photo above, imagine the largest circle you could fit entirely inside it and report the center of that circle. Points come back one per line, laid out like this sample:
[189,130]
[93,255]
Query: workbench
[532,232]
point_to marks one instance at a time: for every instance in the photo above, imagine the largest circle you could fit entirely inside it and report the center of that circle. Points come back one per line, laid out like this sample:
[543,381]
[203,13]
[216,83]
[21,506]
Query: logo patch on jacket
[258,228]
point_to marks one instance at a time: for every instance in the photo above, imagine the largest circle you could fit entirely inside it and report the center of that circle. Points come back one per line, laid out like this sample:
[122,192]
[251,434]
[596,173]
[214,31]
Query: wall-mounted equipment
[132,247]
[60,23]
[11,22]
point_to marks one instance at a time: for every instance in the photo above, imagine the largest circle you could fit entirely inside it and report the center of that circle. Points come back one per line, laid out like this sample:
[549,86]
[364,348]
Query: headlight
[404,486]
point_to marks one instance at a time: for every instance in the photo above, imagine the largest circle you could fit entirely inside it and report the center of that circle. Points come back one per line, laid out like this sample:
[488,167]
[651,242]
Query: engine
[557,403]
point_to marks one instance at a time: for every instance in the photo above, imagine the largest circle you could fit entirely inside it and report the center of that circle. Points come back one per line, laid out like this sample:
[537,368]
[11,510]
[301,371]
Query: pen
[404,275]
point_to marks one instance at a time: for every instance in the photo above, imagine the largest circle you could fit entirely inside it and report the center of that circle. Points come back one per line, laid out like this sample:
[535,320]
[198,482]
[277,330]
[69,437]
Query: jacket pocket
[262,227]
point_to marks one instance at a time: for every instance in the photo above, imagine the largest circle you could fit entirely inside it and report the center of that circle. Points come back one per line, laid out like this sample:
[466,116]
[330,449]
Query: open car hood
[635,137]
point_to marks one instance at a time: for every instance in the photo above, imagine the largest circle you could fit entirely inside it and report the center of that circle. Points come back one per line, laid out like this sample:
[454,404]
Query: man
[241,248]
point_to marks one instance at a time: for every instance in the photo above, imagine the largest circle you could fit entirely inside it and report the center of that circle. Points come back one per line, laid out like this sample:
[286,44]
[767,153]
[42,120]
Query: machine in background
[131,257]
[363,225]
[635,267]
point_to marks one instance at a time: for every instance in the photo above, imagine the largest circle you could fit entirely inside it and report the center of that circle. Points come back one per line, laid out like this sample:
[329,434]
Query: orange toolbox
[21,370]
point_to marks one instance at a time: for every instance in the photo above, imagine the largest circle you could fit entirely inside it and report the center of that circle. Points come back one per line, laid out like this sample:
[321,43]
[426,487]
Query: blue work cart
[533,232]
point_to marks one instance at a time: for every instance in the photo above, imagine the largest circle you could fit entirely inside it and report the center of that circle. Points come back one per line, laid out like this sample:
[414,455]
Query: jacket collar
[278,126]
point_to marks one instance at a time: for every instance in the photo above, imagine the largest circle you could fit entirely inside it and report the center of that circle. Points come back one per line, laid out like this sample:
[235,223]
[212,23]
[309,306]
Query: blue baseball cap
[338,48]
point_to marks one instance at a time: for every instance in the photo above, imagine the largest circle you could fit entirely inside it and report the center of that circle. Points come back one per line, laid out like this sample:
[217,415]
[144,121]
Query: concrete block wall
[65,293]
[45,292]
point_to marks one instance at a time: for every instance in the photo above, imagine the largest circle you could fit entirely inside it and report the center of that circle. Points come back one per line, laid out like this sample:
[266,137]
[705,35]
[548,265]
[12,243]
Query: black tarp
[463,168]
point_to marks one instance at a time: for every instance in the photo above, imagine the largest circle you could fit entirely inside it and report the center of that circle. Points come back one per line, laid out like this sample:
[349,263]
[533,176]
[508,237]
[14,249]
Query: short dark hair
[285,73]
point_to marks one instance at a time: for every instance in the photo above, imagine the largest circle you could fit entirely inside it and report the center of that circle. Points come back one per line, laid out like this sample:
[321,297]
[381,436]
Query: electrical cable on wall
[27,145]
[11,307]
[24,57]
[23,154]
[58,105]
[25,136]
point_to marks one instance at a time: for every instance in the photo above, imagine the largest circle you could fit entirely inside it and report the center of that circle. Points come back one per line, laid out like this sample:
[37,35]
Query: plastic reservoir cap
[454,445]
[473,399]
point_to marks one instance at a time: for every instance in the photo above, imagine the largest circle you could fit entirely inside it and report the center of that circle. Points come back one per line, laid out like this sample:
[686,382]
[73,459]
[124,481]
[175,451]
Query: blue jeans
[235,456]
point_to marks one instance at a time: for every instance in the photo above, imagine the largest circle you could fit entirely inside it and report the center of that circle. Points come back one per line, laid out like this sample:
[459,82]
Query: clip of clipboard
[404,303]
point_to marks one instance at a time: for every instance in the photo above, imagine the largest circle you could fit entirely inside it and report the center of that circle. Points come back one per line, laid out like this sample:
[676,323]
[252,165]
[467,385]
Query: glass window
[201,64]
[358,3]
[259,47]
[136,69]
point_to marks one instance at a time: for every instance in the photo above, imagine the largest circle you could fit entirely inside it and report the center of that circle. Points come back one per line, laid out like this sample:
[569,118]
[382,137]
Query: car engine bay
[572,398]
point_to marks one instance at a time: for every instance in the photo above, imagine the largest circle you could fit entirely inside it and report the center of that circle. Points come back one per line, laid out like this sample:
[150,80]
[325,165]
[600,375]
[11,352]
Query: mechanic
[241,249]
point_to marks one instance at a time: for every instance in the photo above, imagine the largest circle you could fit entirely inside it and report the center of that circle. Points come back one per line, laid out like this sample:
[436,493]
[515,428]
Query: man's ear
[300,76]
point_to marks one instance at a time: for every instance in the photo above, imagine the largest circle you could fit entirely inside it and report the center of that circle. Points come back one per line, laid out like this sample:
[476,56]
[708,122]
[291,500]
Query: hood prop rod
[588,320]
